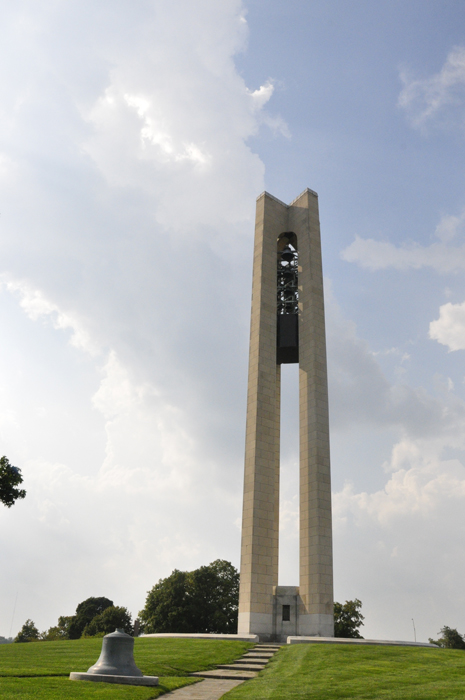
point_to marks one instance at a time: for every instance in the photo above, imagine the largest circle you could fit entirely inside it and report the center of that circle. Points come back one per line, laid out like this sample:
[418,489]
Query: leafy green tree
[107,621]
[10,478]
[167,608]
[216,591]
[451,639]
[85,613]
[28,633]
[348,619]
[204,600]
[60,631]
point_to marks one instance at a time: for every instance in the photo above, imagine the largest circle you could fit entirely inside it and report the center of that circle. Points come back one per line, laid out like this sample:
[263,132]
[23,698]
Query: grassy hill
[40,670]
[338,671]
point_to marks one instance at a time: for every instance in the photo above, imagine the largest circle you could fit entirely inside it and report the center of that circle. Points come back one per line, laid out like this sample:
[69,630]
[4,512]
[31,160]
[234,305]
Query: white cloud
[424,99]
[450,226]
[397,545]
[127,213]
[409,538]
[449,328]
[128,188]
[360,393]
[261,96]
[380,255]
[442,257]
[420,486]
[36,306]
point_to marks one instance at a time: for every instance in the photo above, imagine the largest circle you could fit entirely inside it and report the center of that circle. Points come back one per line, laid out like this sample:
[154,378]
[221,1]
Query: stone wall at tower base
[287,619]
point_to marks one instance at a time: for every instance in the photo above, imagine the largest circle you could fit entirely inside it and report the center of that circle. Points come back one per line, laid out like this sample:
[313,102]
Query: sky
[134,139]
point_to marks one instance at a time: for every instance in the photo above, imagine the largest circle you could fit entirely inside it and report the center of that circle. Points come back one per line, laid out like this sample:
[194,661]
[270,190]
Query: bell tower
[287,326]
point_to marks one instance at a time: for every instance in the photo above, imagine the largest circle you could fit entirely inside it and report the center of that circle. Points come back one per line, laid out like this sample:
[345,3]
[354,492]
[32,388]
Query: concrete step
[268,648]
[243,667]
[226,674]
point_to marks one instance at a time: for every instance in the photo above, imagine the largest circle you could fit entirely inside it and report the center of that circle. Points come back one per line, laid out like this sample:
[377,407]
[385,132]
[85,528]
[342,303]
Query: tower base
[286,620]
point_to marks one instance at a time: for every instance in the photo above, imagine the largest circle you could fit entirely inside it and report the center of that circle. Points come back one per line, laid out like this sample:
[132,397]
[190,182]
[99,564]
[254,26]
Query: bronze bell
[117,656]
[287,254]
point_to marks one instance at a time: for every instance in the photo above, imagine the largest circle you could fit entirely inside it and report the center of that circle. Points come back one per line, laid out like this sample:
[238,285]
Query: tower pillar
[282,333]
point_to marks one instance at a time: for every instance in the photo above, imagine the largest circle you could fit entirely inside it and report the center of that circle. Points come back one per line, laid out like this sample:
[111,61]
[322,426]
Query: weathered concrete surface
[342,640]
[208,689]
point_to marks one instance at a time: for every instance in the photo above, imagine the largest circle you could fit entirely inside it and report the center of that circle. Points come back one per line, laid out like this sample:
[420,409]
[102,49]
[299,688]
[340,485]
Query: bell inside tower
[287,337]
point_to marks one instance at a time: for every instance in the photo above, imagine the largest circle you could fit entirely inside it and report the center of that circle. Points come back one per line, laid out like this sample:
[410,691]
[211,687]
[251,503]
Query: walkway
[208,689]
[225,677]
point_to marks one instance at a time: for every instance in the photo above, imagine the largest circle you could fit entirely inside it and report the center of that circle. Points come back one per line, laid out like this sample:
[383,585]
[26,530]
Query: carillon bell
[117,656]
[287,254]
[116,663]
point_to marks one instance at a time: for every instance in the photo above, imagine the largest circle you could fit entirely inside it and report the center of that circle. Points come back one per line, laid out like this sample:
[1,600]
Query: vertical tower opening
[288,557]
[287,353]
[287,290]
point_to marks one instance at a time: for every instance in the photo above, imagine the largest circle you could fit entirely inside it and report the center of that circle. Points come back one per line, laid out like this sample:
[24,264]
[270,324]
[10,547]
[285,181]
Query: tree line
[94,617]
[204,600]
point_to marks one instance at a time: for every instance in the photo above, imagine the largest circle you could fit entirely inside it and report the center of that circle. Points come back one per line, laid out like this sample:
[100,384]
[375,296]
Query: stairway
[244,668]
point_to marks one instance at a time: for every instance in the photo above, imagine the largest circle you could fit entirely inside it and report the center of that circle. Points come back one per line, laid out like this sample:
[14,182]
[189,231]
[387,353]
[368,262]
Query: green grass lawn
[39,671]
[336,671]
[59,687]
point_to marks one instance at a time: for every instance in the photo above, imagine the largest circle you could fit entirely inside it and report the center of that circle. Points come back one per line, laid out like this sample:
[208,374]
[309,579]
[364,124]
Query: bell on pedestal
[117,656]
[116,663]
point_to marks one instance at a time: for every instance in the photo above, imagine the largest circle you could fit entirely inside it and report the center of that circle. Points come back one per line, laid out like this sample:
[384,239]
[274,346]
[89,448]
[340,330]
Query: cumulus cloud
[439,256]
[361,394]
[390,540]
[127,215]
[403,563]
[449,328]
[35,304]
[425,99]
[126,248]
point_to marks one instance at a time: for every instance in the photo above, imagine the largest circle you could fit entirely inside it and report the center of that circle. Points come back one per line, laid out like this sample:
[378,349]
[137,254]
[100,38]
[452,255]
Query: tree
[85,613]
[204,600]
[167,608]
[451,639]
[60,631]
[107,621]
[28,633]
[347,619]
[10,478]
[94,616]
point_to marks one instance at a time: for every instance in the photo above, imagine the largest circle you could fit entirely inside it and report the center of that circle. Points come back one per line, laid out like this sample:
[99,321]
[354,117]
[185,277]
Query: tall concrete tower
[287,326]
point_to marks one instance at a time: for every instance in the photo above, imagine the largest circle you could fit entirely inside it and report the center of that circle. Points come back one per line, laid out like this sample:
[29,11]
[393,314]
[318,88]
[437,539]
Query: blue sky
[134,140]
